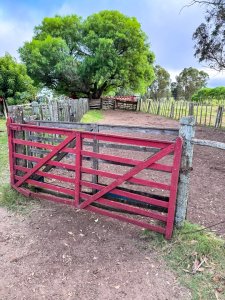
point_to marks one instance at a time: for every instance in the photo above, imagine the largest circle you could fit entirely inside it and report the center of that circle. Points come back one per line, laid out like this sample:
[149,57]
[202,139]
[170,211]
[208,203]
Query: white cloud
[12,35]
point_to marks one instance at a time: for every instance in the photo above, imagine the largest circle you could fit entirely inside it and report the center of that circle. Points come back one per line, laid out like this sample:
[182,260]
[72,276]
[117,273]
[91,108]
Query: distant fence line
[205,114]
[62,109]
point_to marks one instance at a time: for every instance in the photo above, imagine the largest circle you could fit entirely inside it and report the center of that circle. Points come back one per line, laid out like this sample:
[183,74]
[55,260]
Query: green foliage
[210,36]
[188,248]
[189,81]
[15,85]
[106,51]
[92,116]
[217,93]
[160,87]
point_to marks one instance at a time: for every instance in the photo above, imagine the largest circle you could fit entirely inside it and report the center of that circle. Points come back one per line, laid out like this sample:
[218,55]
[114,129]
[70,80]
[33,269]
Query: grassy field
[92,116]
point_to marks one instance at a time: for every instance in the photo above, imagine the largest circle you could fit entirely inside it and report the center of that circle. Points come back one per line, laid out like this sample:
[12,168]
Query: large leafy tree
[161,85]
[189,81]
[210,36]
[16,86]
[106,51]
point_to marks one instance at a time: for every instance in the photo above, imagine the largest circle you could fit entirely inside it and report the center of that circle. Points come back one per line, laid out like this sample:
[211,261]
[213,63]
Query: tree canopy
[16,86]
[189,81]
[161,85]
[210,36]
[106,51]
[203,94]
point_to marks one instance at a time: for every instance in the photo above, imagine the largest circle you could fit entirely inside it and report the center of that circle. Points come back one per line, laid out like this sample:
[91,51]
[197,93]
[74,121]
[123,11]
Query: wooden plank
[40,145]
[107,127]
[126,140]
[47,186]
[128,208]
[208,143]
[128,194]
[134,180]
[51,162]
[78,169]
[47,175]
[187,132]
[126,161]
[173,189]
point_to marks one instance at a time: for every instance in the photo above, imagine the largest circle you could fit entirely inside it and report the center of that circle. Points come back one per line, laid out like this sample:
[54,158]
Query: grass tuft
[198,259]
[14,201]
[92,116]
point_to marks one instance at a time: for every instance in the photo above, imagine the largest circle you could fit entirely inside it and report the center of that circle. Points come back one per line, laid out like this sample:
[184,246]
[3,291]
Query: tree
[210,36]
[204,94]
[189,81]
[174,90]
[160,86]
[106,51]
[16,86]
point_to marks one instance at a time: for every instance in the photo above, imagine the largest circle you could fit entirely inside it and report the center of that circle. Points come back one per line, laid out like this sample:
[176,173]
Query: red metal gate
[63,166]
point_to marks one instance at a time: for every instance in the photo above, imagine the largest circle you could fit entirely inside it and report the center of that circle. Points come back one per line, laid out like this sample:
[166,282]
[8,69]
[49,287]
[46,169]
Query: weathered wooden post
[172,111]
[219,116]
[187,132]
[191,109]
[35,109]
[95,128]
[16,113]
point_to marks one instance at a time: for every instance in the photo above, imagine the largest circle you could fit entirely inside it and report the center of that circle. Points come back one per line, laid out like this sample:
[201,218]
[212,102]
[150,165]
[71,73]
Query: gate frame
[186,131]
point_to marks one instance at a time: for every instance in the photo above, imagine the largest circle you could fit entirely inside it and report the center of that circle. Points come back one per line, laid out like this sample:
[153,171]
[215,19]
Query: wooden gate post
[16,113]
[187,132]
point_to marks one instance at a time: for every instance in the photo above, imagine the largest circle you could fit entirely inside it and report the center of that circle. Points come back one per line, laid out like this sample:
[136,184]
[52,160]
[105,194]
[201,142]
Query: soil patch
[207,200]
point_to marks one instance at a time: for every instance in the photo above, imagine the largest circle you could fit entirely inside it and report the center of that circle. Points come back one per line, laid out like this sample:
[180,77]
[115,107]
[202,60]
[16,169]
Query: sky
[169,27]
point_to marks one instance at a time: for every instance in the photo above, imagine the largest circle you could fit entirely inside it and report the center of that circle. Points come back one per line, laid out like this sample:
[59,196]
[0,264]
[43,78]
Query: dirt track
[56,252]
[207,197]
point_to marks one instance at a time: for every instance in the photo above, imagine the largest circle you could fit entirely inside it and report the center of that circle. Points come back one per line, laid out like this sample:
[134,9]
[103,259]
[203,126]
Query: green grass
[188,248]
[4,170]
[9,198]
[14,201]
[92,116]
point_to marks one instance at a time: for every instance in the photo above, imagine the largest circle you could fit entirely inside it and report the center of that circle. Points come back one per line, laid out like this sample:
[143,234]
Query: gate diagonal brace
[138,168]
[46,159]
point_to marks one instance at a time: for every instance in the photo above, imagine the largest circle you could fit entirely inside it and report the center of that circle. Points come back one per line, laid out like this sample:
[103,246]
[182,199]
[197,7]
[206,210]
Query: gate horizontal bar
[45,174]
[51,162]
[131,195]
[139,181]
[48,186]
[126,219]
[40,145]
[128,208]
[128,161]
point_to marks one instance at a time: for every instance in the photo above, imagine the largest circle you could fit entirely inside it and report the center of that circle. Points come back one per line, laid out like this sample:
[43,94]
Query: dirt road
[56,252]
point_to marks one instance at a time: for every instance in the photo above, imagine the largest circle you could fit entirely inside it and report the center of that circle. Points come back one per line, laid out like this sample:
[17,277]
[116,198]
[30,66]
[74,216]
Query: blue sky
[168,28]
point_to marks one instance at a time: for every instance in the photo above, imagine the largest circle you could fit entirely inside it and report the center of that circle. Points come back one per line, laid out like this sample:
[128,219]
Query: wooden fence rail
[205,114]
[61,109]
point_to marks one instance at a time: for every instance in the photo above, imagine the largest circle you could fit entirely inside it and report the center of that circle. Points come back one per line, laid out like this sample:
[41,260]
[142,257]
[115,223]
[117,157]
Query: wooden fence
[63,109]
[205,114]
